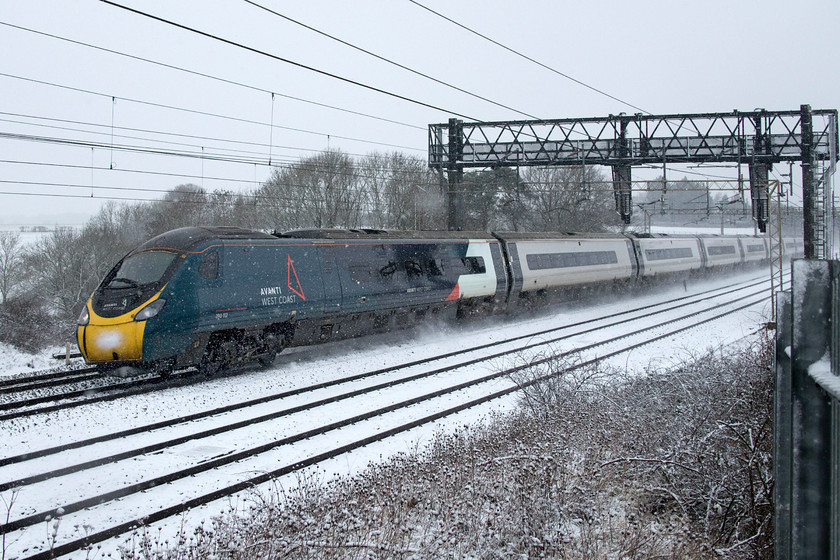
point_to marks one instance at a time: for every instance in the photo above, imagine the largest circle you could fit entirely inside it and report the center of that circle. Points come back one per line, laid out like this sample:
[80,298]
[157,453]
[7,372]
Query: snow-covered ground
[14,362]
[310,365]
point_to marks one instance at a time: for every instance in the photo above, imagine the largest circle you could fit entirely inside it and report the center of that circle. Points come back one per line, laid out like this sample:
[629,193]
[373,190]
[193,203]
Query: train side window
[388,270]
[721,250]
[474,265]
[434,267]
[209,266]
[413,268]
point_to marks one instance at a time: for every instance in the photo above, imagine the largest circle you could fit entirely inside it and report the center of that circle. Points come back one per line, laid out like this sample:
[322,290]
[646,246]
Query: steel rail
[308,406]
[178,380]
[26,378]
[62,378]
[310,388]
[233,457]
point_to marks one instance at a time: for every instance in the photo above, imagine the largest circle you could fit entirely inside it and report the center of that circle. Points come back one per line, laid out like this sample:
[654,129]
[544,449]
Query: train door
[515,269]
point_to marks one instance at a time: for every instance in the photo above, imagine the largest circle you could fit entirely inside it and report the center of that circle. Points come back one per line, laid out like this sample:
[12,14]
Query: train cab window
[141,269]
[208,268]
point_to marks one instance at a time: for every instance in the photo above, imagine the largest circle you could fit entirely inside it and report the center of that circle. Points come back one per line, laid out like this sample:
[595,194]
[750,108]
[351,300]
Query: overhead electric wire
[526,57]
[284,60]
[202,113]
[209,76]
[537,62]
[248,197]
[202,148]
[387,60]
[198,152]
[283,95]
[134,199]
[120,170]
[296,165]
[129,148]
[593,185]
[186,154]
[269,201]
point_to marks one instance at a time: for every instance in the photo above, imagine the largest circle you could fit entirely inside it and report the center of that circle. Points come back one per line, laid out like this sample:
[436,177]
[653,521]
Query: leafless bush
[702,448]
[26,324]
[554,383]
[596,465]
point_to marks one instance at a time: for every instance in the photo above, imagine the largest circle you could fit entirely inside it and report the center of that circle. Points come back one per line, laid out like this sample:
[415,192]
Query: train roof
[337,234]
[518,235]
[185,238]
[692,235]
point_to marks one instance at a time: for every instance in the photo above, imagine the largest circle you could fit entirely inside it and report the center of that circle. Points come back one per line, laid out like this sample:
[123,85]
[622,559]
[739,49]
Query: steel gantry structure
[757,139]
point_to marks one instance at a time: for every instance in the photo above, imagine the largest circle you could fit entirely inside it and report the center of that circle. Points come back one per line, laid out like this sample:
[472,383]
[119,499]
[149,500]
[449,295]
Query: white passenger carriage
[755,249]
[661,254]
[569,260]
[721,251]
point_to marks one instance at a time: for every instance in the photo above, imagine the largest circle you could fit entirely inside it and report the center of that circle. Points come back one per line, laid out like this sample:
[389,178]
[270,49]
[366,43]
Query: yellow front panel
[101,338]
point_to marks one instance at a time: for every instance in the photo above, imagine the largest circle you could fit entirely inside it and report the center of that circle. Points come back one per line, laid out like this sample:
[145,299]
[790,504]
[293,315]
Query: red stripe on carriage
[456,293]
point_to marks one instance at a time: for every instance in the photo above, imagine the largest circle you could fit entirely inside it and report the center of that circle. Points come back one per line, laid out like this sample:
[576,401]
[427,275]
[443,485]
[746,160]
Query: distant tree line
[45,284]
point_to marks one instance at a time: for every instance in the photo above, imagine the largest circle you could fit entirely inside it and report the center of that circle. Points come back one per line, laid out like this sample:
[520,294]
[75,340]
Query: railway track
[22,385]
[647,312]
[103,389]
[22,397]
[460,376]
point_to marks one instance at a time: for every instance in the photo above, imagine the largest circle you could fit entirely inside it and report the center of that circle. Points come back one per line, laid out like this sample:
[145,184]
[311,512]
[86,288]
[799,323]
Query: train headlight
[84,317]
[150,310]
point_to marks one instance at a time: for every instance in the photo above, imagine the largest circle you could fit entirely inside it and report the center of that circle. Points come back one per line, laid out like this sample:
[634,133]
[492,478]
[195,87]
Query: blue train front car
[120,328]
[220,297]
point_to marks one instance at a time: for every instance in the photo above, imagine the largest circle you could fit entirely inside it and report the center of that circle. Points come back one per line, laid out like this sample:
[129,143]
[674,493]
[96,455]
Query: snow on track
[290,370]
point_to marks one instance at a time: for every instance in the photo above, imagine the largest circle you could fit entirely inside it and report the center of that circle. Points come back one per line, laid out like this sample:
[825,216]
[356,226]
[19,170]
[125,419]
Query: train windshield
[141,269]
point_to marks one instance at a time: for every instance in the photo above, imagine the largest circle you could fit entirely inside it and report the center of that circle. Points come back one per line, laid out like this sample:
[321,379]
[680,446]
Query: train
[212,298]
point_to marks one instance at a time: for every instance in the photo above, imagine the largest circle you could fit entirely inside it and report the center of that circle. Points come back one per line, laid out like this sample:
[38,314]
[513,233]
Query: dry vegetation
[594,465]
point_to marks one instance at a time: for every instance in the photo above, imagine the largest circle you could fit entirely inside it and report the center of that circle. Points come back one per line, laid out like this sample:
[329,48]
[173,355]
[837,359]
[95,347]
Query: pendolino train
[214,297]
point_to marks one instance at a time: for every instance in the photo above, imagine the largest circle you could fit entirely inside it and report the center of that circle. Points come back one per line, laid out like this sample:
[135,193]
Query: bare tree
[570,199]
[11,262]
[185,205]
[63,271]
[514,201]
[679,195]
[400,192]
[320,191]
[479,198]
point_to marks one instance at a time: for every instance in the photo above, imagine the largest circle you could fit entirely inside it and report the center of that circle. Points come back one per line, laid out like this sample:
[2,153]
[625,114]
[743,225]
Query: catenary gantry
[756,138]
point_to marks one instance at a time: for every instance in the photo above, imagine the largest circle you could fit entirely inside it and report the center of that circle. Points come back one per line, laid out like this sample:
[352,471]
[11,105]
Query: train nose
[108,340]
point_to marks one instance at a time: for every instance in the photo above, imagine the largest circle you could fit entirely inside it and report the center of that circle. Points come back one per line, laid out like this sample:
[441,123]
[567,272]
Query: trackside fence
[807,414]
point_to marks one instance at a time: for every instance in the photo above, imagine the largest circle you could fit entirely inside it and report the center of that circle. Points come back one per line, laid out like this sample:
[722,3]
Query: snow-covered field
[310,365]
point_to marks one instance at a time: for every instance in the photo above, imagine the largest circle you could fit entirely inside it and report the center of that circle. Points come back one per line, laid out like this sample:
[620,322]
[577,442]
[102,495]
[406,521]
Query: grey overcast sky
[72,99]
